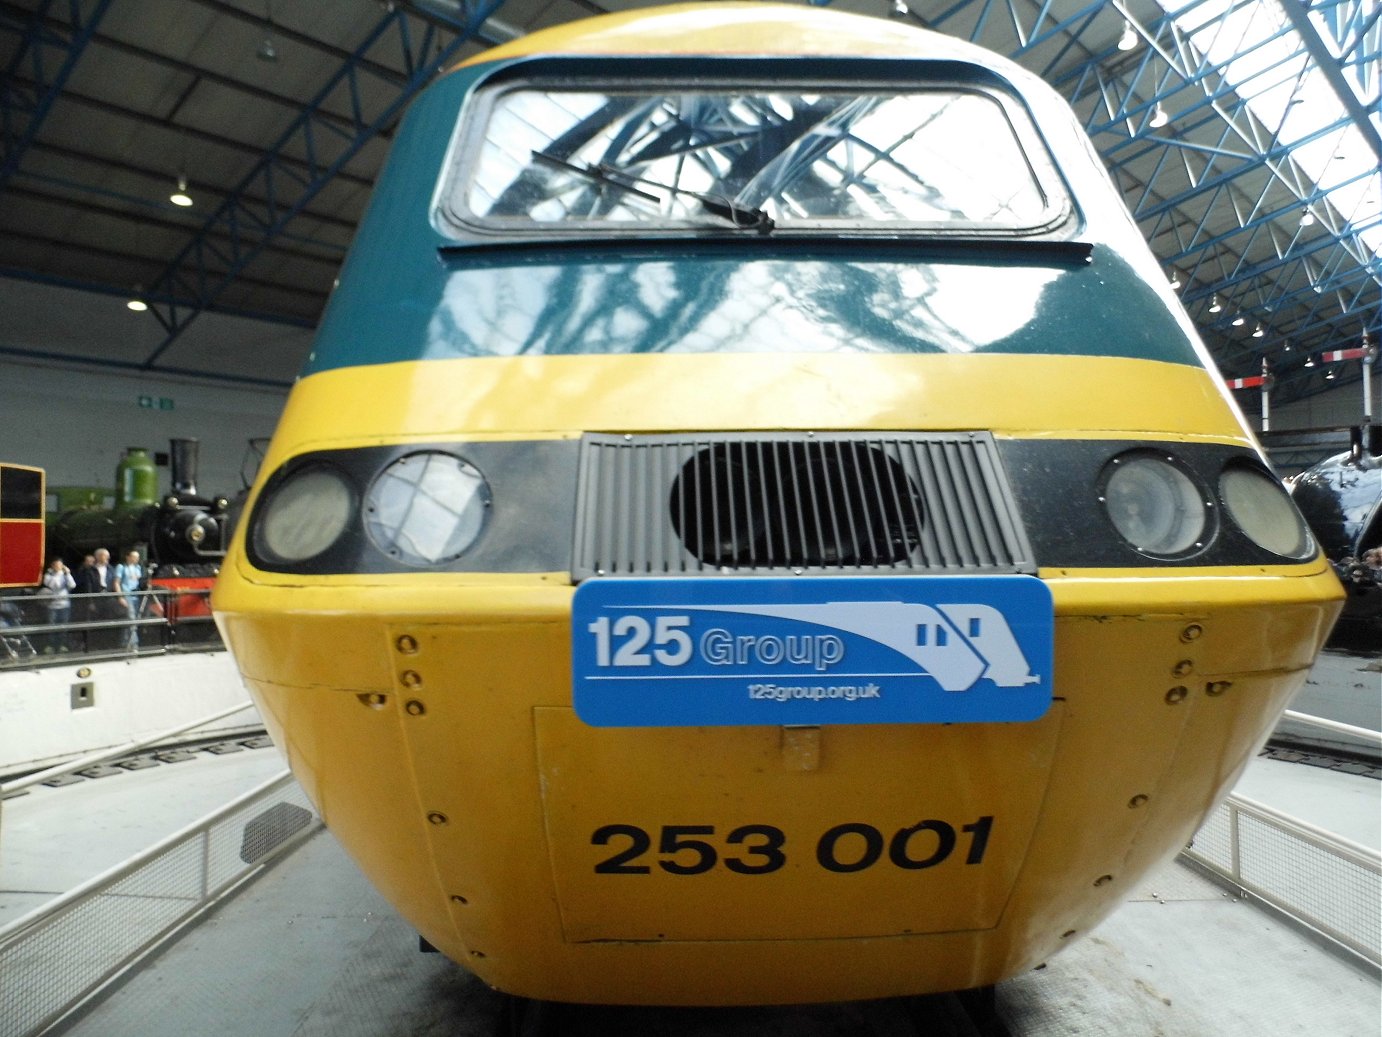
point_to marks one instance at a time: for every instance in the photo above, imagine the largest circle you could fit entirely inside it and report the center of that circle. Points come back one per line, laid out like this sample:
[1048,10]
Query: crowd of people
[109,592]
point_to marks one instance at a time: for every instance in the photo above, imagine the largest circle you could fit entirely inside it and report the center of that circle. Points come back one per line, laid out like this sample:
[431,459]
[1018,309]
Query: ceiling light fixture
[1258,332]
[1214,306]
[1329,375]
[900,9]
[1239,321]
[1310,360]
[1159,117]
[267,51]
[1174,279]
[137,304]
[180,197]
[1129,38]
[1307,218]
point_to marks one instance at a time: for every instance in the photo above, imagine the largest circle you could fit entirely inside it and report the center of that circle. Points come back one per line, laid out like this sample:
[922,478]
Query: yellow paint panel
[790,850]
[562,396]
[700,29]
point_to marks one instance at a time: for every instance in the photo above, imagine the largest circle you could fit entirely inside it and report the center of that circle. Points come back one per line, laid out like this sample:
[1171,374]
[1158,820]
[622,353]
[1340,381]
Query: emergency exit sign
[156,402]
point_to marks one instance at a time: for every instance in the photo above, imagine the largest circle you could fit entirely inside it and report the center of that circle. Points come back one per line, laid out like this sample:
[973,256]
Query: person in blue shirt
[129,575]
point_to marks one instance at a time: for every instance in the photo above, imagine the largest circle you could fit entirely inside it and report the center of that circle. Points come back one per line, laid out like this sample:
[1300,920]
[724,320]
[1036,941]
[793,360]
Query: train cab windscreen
[948,159]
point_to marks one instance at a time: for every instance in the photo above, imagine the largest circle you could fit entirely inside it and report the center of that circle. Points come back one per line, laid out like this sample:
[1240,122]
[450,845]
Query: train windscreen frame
[592,158]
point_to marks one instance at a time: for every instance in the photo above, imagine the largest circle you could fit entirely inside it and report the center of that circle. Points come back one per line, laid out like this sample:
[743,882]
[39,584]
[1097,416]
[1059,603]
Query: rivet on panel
[1138,800]
[1191,633]
[456,898]
[1176,694]
[477,954]
[1183,667]
[1103,880]
[407,644]
[1216,688]
[415,708]
[437,818]
[411,679]
[373,699]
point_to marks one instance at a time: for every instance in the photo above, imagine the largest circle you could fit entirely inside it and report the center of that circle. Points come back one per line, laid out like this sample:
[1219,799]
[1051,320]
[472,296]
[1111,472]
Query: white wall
[76,423]
[1338,407]
[74,418]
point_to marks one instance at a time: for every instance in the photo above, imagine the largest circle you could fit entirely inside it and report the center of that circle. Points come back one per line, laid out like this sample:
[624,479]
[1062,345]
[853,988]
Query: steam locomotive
[181,534]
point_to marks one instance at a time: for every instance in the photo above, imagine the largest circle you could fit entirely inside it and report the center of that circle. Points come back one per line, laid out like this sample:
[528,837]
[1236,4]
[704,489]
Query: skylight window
[1253,46]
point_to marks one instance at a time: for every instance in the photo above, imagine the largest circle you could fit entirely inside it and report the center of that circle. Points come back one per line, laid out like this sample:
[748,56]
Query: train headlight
[1264,511]
[426,508]
[304,515]
[1154,504]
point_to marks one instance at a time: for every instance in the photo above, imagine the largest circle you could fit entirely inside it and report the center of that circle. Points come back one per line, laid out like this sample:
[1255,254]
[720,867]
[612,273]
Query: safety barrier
[58,957]
[101,626]
[1327,882]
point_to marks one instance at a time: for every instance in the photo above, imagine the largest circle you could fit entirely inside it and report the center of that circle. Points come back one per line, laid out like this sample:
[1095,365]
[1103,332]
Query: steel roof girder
[1263,268]
[1319,194]
[368,127]
[1278,152]
[1331,68]
[15,139]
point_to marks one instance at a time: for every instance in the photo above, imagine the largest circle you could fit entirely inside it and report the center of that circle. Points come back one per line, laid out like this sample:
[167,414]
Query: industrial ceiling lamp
[1310,360]
[900,9]
[1214,306]
[1174,279]
[1129,38]
[1258,332]
[136,302]
[180,197]
[267,51]
[1239,321]
[1159,117]
[1307,218]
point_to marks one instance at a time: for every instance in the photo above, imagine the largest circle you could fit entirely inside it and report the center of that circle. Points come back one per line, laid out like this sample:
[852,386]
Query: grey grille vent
[824,503]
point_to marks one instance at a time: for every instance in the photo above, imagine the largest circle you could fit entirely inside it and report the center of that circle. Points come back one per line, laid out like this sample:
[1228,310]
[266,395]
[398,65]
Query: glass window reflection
[947,158]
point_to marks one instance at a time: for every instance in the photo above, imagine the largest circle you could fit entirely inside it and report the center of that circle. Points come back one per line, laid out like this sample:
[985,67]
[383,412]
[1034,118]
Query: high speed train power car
[755,527]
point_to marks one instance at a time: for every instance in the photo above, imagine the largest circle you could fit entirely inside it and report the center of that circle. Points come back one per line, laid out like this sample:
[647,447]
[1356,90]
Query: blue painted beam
[134,365]
[123,292]
[1331,68]
[48,56]
[209,263]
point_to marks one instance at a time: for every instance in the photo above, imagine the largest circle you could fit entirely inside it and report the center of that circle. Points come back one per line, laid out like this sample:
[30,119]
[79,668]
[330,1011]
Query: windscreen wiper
[737,215]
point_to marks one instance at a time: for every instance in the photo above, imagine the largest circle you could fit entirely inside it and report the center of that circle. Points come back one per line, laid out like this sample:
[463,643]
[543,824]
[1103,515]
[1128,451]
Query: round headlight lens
[1264,511]
[305,515]
[426,508]
[1154,505]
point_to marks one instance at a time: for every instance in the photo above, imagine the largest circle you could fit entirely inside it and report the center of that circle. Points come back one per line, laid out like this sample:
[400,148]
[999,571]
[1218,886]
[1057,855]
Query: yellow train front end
[430,719]
[674,404]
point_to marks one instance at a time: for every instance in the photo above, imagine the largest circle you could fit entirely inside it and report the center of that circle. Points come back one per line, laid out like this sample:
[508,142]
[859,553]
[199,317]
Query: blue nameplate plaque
[808,650]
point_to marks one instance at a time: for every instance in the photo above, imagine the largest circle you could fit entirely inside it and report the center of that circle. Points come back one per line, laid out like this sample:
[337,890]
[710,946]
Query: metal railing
[98,626]
[59,956]
[1329,883]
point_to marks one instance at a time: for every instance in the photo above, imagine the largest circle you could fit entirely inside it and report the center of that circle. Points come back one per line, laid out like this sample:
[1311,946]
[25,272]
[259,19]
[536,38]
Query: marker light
[426,508]
[1264,511]
[1154,505]
[305,514]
